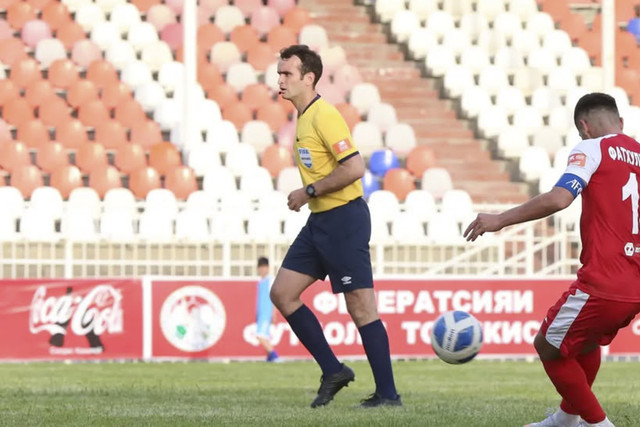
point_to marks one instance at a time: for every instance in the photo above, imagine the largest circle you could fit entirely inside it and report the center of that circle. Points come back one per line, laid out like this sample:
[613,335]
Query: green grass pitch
[481,393]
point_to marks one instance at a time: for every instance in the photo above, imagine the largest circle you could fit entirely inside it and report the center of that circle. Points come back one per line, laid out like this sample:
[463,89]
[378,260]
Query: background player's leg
[361,304]
[285,294]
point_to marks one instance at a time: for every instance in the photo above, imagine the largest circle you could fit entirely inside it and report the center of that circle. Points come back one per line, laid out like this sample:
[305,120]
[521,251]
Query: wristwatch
[311,190]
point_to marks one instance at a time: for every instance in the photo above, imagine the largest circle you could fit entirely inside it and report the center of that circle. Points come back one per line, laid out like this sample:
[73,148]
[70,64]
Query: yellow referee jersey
[323,140]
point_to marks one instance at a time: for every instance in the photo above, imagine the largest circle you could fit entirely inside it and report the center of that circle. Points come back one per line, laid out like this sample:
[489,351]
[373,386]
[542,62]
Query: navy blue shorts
[335,243]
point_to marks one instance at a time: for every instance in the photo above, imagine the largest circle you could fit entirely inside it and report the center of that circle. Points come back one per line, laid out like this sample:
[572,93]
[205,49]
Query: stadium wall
[156,318]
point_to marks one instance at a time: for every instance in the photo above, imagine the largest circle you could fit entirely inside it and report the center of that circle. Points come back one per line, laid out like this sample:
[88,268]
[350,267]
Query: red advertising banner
[70,319]
[216,319]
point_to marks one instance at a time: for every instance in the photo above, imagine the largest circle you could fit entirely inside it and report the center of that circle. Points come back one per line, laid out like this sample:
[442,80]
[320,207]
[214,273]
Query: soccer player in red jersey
[604,168]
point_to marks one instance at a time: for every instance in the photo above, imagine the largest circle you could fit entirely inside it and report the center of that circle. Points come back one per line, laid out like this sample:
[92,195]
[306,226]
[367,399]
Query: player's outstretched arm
[540,206]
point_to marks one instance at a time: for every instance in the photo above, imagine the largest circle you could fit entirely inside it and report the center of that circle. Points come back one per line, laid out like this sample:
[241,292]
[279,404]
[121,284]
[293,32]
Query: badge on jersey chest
[305,157]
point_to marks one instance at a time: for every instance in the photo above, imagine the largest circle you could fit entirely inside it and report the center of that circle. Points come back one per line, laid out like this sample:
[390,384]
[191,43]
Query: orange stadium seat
[72,134]
[38,91]
[247,6]
[84,52]
[54,111]
[350,114]
[25,71]
[81,91]
[8,91]
[400,182]
[274,158]
[237,113]
[56,14]
[274,114]
[419,159]
[111,134]
[146,133]
[115,92]
[70,33]
[104,178]
[91,156]
[289,108]
[17,110]
[296,18]
[208,35]
[211,6]
[626,47]
[181,180]
[66,179]
[14,155]
[4,4]
[143,180]
[20,12]
[224,95]
[129,112]
[244,36]
[163,157]
[102,72]
[5,132]
[260,56]
[144,5]
[51,156]
[92,113]
[130,157]
[6,31]
[209,76]
[62,73]
[280,37]
[256,95]
[39,4]
[26,179]
[12,50]
[34,133]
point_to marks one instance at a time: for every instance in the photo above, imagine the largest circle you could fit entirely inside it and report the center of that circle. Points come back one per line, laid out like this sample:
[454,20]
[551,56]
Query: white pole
[189,29]
[608,44]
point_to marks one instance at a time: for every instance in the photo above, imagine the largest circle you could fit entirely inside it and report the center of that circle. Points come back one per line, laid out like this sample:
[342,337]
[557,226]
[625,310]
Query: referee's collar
[310,104]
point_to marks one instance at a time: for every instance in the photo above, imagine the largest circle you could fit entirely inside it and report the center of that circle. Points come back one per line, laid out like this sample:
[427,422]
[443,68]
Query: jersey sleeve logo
[341,146]
[305,157]
[578,159]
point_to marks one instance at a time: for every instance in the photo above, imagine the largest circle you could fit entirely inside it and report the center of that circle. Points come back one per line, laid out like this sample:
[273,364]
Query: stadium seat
[135,73]
[159,15]
[421,204]
[438,60]
[545,99]
[512,142]
[437,181]
[419,159]
[56,14]
[89,15]
[171,34]
[49,50]
[227,226]
[400,182]
[143,180]
[65,179]
[421,41]
[237,113]
[561,79]
[275,202]
[116,225]
[62,73]
[145,133]
[363,96]
[367,137]
[85,200]
[203,156]
[548,138]
[54,111]
[350,114]
[92,113]
[274,114]
[257,134]
[192,226]
[48,199]
[528,118]
[264,226]
[149,95]
[14,155]
[382,114]
[26,178]
[120,53]
[111,134]
[161,200]
[384,205]
[240,75]
[12,202]
[218,182]
[492,120]
[241,157]
[17,111]
[120,199]
[25,72]
[527,79]
[81,91]
[156,54]
[130,157]
[9,91]
[370,183]
[457,204]
[130,113]
[37,225]
[288,180]
[51,156]
[11,51]
[407,229]
[181,180]
[533,162]
[228,17]
[124,16]
[91,156]
[260,56]
[77,226]
[200,201]
[400,138]
[71,134]
[443,230]
[255,181]
[280,37]
[34,133]
[403,24]
[244,36]
[102,73]
[163,157]
[237,203]
[296,18]
[457,79]
[19,13]
[383,160]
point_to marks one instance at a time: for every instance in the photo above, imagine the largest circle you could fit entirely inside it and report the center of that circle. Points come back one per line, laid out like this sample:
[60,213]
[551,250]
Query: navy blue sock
[308,330]
[376,344]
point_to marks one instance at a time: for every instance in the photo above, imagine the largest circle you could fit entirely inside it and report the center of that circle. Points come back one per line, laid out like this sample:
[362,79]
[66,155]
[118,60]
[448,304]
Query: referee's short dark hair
[263,260]
[310,60]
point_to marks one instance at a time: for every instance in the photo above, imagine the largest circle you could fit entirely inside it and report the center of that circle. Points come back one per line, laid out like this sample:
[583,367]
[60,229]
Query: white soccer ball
[456,337]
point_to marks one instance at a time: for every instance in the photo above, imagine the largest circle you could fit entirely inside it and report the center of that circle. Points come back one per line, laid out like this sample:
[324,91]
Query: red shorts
[578,319]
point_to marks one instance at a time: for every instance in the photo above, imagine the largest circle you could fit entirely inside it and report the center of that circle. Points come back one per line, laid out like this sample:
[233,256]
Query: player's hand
[482,223]
[297,199]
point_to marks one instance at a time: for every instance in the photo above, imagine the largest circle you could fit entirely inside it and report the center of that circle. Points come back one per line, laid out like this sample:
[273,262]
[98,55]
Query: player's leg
[262,334]
[361,304]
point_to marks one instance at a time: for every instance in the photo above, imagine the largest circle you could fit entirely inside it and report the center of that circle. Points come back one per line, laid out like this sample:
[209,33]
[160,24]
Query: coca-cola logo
[98,311]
